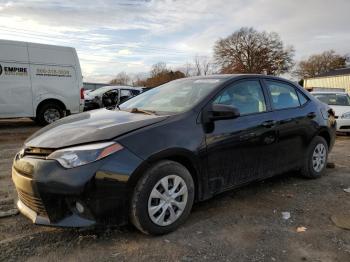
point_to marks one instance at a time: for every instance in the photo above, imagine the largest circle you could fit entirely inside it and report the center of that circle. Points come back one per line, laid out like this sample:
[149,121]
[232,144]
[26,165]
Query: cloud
[120,35]
[124,52]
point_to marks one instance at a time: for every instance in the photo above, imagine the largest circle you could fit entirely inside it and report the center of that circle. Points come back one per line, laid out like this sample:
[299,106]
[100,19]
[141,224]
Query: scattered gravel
[240,225]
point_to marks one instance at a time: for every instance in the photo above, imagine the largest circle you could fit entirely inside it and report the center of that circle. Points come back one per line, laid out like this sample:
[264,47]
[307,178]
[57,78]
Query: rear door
[293,119]
[58,82]
[54,75]
[240,149]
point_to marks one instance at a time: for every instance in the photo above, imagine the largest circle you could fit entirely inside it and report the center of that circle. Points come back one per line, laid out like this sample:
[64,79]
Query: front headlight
[346,115]
[82,155]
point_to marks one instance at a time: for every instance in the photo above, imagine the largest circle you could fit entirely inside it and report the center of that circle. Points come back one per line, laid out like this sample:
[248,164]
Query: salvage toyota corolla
[151,158]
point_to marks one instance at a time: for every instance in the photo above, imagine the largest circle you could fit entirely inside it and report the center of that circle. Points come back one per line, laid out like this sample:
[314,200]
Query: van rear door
[15,85]
[54,75]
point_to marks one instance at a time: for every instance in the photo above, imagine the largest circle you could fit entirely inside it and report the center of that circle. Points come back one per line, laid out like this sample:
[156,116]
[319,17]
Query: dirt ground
[241,225]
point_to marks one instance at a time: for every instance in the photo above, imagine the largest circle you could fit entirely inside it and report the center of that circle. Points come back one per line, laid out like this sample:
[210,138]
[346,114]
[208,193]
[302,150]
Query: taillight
[82,93]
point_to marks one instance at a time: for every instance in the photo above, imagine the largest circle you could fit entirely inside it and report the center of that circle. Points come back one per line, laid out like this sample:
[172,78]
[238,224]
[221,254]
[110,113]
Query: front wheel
[162,199]
[316,158]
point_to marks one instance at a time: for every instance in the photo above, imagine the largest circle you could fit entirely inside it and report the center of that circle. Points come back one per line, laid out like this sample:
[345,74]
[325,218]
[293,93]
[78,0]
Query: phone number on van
[53,72]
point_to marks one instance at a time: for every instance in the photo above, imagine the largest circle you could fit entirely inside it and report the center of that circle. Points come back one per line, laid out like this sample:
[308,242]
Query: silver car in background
[340,103]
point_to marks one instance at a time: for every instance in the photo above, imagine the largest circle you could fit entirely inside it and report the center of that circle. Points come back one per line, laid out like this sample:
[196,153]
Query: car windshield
[334,99]
[173,97]
[100,91]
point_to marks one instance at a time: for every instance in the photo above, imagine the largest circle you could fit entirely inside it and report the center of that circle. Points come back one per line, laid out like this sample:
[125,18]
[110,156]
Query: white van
[43,82]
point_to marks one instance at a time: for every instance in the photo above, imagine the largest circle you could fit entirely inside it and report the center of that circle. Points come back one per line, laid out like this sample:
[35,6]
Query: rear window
[302,98]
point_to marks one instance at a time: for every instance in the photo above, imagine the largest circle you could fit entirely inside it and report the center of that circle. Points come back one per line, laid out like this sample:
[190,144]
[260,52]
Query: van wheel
[316,159]
[162,199]
[49,113]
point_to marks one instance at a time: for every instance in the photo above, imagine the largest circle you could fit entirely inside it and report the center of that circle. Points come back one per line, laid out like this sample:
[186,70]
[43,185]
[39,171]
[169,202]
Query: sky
[130,36]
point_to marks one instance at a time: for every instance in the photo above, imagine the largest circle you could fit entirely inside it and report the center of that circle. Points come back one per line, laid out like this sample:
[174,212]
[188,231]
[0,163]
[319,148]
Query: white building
[338,78]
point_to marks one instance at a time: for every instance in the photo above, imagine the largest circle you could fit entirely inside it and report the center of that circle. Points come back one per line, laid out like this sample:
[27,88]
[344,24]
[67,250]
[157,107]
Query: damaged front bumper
[96,193]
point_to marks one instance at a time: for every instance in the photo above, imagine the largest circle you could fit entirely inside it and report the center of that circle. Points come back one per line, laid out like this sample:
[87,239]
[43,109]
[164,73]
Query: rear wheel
[162,199]
[49,113]
[316,158]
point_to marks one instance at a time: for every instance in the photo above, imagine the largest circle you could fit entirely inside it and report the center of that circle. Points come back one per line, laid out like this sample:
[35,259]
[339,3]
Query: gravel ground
[240,225]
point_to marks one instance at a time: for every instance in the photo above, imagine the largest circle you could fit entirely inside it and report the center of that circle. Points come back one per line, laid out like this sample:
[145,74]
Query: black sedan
[149,160]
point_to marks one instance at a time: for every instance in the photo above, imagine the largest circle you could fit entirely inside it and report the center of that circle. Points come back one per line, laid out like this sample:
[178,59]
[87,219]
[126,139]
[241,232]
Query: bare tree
[197,66]
[121,79]
[320,63]
[138,80]
[159,68]
[159,75]
[250,51]
[205,65]
[187,70]
[202,65]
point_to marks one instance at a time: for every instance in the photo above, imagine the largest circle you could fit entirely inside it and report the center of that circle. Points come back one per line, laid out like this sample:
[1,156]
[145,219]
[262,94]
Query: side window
[302,99]
[246,95]
[135,92]
[283,95]
[125,92]
[125,95]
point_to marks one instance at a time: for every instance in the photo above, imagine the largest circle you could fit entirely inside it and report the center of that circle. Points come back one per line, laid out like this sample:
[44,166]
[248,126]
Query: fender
[41,97]
[185,157]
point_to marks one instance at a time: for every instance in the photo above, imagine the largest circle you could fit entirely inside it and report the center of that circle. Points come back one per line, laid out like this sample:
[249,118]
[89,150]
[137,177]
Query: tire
[314,166]
[57,113]
[143,203]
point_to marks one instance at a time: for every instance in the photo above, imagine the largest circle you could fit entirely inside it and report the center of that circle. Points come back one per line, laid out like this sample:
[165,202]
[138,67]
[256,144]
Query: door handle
[268,123]
[311,115]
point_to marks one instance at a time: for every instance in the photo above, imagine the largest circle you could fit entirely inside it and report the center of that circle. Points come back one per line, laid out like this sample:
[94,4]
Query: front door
[238,149]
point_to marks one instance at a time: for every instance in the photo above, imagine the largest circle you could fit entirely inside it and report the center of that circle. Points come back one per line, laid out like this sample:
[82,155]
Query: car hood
[339,110]
[91,126]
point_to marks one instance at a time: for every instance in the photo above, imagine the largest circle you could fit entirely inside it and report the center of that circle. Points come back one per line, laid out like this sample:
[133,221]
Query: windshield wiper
[142,111]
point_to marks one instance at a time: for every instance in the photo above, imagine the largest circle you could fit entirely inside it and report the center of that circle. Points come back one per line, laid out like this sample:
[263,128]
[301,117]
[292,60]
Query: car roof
[233,76]
[121,87]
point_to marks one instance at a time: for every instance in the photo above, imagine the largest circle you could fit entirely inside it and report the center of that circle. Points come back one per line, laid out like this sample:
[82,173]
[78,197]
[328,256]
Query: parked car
[86,92]
[43,82]
[340,103]
[109,96]
[163,150]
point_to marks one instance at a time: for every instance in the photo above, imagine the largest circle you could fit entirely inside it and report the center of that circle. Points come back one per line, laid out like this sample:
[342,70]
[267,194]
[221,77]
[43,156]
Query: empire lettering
[17,71]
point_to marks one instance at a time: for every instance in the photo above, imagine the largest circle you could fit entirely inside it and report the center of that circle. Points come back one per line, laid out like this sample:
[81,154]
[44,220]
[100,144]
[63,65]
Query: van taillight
[82,93]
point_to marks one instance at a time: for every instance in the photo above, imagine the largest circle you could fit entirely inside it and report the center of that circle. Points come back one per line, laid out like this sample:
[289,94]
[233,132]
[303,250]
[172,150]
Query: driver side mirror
[221,112]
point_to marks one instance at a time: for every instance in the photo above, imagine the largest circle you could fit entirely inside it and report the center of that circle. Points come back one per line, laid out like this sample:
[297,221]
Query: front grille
[37,152]
[32,202]
[344,127]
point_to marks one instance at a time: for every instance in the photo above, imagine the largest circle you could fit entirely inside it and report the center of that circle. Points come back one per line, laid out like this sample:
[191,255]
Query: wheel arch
[50,100]
[325,134]
[181,156]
